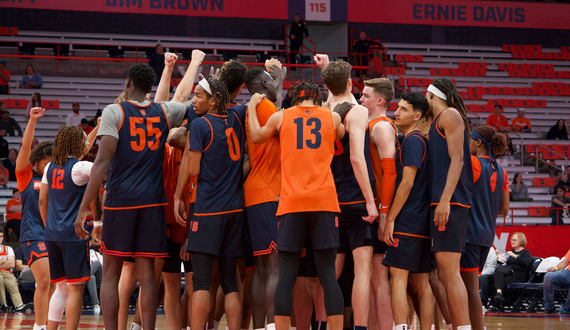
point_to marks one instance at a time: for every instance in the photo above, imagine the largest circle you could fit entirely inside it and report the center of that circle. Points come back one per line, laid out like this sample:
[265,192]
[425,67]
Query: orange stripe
[412,235]
[217,213]
[83,279]
[350,203]
[133,207]
[436,125]
[149,255]
[465,270]
[272,246]
[38,256]
[132,254]
[58,280]
[139,106]
[165,116]
[211,133]
[122,120]
[221,116]
[458,204]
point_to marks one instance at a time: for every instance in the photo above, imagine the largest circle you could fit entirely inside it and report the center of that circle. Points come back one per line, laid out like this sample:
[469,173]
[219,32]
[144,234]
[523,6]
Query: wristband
[97,223]
[556,268]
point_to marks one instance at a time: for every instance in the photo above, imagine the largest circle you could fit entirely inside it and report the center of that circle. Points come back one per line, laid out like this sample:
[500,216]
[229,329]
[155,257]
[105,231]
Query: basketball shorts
[263,226]
[295,228]
[409,253]
[452,236]
[379,246]
[172,263]
[353,231]
[249,258]
[69,261]
[137,232]
[220,235]
[474,257]
[34,250]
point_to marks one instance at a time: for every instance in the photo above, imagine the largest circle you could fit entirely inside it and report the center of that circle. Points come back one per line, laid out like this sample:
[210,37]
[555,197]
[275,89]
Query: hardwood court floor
[494,322]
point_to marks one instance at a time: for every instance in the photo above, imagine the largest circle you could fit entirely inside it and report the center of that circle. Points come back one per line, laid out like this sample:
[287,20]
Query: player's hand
[388,234]
[198,56]
[372,212]
[37,112]
[256,99]
[98,121]
[185,256]
[277,72]
[270,62]
[441,214]
[97,233]
[213,74]
[80,224]
[170,59]
[321,60]
[180,211]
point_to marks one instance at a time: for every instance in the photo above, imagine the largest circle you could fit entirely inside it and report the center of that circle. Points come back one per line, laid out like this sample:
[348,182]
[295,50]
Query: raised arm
[92,136]
[257,133]
[278,73]
[185,88]
[26,149]
[163,90]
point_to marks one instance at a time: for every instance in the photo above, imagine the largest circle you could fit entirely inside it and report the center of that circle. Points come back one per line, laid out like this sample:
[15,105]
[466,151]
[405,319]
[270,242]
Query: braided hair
[454,100]
[220,95]
[69,142]
[497,140]
[307,90]
[41,150]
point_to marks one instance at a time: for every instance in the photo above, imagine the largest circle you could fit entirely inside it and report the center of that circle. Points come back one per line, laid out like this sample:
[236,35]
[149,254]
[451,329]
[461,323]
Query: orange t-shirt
[4,174]
[307,137]
[264,181]
[13,215]
[376,164]
[497,122]
[519,124]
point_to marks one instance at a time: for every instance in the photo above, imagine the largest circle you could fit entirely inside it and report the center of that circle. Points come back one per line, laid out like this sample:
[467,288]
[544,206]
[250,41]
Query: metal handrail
[476,115]
[352,30]
[285,37]
[545,161]
[396,85]
[548,208]
[522,144]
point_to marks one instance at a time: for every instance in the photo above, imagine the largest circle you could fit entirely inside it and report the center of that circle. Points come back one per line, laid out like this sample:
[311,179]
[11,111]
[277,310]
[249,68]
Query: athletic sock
[449,327]
[401,327]
[322,325]
[188,328]
[206,326]
[135,326]
[359,327]
[216,325]
[293,328]
[270,326]
[464,327]
[39,327]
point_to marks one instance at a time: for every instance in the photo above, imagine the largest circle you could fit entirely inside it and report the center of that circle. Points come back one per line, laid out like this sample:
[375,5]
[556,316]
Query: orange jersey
[13,215]
[307,137]
[519,124]
[376,162]
[264,181]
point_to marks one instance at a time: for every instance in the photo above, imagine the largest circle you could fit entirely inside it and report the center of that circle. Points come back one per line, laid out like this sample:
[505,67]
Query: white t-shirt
[74,119]
[79,173]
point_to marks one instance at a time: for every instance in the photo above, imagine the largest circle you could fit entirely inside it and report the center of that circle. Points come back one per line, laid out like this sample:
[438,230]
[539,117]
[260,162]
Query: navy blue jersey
[490,182]
[439,166]
[413,218]
[191,116]
[29,184]
[347,188]
[64,199]
[135,177]
[220,139]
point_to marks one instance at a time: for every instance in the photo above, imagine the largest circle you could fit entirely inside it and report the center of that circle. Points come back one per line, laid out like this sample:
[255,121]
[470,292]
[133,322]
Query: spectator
[7,280]
[497,120]
[4,78]
[10,164]
[561,202]
[96,260]
[362,46]
[521,123]
[31,78]
[557,277]
[509,153]
[3,107]
[74,118]
[4,176]
[26,275]
[519,190]
[4,148]
[36,101]
[562,181]
[10,124]
[85,126]
[156,62]
[14,214]
[558,132]
[298,29]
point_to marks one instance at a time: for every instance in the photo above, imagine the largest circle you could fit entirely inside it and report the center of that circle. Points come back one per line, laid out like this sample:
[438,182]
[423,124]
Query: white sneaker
[484,310]
[96,309]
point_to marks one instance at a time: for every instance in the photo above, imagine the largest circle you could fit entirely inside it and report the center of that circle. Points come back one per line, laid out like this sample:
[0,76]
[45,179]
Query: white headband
[204,83]
[434,90]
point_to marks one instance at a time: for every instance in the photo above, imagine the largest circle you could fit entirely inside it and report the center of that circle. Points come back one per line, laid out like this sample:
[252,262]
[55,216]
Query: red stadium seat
[526,103]
[466,65]
[511,103]
[398,70]
[515,73]
[393,106]
[436,72]
[424,82]
[546,67]
[417,58]
[534,48]
[544,74]
[565,49]
[557,74]
[463,94]
[529,73]
[546,56]
[556,85]
[479,73]
[50,104]
[480,65]
[558,91]
[19,103]
[544,182]
[175,81]
[538,211]
[509,48]
[564,149]
[480,108]
[538,85]
[464,72]
[489,90]
[520,66]
[522,48]
[544,91]
[530,91]
[505,66]
[493,102]
[558,56]
[517,91]
[539,103]
[566,73]
[519,55]
[400,57]
[10,31]
[533,66]
[504,90]
[533,55]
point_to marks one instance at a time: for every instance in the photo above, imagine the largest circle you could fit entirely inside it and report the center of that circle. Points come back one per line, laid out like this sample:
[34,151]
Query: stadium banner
[542,241]
[275,9]
[461,13]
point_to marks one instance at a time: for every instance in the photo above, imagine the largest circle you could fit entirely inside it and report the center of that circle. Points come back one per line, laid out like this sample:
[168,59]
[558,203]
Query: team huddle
[223,187]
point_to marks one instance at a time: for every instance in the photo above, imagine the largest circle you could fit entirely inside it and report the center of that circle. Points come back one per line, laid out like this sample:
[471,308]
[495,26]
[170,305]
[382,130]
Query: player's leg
[257,291]
[398,286]
[246,307]
[44,288]
[422,290]
[381,291]
[172,304]
[448,267]
[148,292]
[109,290]
[302,303]
[438,291]
[325,261]
[127,284]
[57,275]
[74,305]
[361,286]
[57,305]
[288,269]
[202,265]
[228,281]
[77,271]
[471,280]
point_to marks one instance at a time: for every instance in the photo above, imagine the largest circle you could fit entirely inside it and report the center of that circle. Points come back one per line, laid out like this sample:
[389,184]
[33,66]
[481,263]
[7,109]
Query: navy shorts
[409,253]
[474,257]
[263,227]
[172,263]
[220,235]
[353,231]
[249,258]
[295,228]
[34,250]
[307,268]
[69,261]
[452,236]
[379,246]
[137,232]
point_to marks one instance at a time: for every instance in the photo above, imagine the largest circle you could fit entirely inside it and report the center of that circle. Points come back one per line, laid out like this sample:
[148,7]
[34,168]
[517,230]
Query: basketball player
[308,201]
[451,199]
[407,226]
[30,166]
[490,198]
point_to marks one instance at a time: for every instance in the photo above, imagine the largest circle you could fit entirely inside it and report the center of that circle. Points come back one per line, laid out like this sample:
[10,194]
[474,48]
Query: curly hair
[69,142]
[232,74]
[454,100]
[41,151]
[336,75]
[497,140]
[307,90]
[142,76]
[220,95]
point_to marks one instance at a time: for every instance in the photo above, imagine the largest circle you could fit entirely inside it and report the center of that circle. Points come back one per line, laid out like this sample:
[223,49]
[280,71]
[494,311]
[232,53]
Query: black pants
[13,224]
[295,47]
[486,288]
[503,276]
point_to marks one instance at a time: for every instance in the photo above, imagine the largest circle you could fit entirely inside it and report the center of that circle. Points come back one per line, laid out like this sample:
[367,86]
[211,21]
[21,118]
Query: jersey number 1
[315,131]
[142,134]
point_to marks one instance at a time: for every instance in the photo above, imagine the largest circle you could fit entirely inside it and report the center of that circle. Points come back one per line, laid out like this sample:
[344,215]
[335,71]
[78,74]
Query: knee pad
[57,302]
[229,285]
[201,281]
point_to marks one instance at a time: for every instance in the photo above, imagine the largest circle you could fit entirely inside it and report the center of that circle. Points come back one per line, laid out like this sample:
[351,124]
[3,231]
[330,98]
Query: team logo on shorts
[336,221]
[441,228]
[194,225]
[303,253]
[397,240]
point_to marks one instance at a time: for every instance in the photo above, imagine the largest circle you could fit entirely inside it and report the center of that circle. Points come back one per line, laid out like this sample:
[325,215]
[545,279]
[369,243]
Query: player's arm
[452,123]
[8,263]
[338,126]
[278,73]
[194,159]
[183,179]
[185,87]
[257,133]
[26,149]
[163,89]
[357,122]
[19,265]
[177,138]
[402,194]
[92,137]
[43,201]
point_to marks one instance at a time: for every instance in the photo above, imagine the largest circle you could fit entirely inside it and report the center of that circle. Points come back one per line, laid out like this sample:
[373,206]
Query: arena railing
[547,208]
[352,31]
[537,158]
[303,47]
[510,131]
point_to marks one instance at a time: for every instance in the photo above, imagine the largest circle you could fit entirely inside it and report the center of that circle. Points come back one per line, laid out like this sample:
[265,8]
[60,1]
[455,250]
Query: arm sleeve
[198,135]
[44,177]
[80,173]
[506,185]
[389,177]
[111,121]
[175,112]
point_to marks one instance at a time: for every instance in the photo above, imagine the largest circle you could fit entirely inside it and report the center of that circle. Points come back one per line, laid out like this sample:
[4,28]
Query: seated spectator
[561,203]
[557,277]
[10,164]
[558,132]
[4,148]
[521,123]
[509,153]
[4,176]
[562,181]
[4,78]
[3,107]
[14,214]
[519,190]
[7,280]
[362,46]
[26,275]
[74,118]
[36,101]
[497,120]
[85,126]
[96,260]
[9,124]
[31,78]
